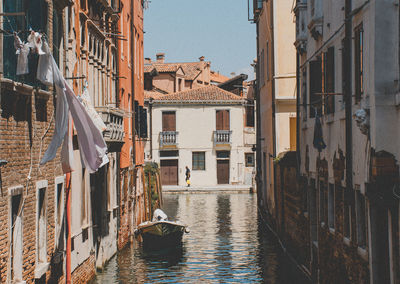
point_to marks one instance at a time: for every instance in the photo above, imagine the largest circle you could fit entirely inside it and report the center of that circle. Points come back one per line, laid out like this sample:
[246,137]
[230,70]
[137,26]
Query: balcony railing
[168,138]
[223,137]
[113,118]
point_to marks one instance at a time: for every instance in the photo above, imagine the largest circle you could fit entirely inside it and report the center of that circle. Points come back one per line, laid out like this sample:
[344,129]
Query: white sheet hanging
[22,61]
[87,103]
[45,69]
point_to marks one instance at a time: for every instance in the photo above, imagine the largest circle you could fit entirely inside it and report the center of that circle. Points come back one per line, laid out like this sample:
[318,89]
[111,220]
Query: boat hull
[156,235]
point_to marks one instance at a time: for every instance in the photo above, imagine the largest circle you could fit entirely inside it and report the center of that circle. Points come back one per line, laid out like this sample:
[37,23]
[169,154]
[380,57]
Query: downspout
[151,127]
[133,87]
[258,124]
[298,155]
[68,217]
[348,96]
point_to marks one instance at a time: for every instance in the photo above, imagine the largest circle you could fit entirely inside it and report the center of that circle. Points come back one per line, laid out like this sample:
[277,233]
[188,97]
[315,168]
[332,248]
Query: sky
[187,29]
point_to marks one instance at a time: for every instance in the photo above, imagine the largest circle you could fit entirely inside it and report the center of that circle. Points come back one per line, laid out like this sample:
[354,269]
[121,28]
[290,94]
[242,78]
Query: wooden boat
[160,232]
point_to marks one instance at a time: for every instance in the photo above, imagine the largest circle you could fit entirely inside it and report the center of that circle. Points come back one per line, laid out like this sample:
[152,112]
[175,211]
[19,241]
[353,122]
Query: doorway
[169,172]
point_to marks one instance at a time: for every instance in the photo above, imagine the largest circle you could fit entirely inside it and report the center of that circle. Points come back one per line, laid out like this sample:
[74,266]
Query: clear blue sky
[187,29]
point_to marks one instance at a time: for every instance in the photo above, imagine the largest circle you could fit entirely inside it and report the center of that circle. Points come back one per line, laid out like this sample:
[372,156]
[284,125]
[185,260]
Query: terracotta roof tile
[191,69]
[153,94]
[207,93]
[217,77]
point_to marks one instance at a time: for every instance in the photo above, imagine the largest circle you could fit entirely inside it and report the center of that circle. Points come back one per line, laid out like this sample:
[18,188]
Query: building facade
[276,88]
[349,138]
[337,196]
[203,129]
[53,232]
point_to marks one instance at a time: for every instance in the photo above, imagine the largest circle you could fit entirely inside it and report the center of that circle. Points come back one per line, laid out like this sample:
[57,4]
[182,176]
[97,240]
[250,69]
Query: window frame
[196,162]
[359,62]
[247,164]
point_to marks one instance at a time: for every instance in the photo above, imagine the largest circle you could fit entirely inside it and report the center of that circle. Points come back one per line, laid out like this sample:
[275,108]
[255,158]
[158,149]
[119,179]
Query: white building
[204,129]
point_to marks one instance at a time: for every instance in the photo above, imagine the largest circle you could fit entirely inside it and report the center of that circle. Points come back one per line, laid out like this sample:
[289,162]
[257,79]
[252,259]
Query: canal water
[227,244]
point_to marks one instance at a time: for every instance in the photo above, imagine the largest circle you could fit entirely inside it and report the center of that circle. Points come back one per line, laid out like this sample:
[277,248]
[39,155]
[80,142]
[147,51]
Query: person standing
[187,179]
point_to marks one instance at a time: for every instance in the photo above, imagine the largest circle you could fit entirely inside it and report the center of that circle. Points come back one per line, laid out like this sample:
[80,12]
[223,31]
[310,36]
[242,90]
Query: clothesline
[87,122]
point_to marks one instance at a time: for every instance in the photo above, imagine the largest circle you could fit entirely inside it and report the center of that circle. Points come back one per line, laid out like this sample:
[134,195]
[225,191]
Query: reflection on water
[226,244]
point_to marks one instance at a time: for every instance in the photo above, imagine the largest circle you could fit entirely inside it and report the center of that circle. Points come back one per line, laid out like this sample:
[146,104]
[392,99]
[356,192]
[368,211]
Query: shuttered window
[143,123]
[169,121]
[222,119]
[315,87]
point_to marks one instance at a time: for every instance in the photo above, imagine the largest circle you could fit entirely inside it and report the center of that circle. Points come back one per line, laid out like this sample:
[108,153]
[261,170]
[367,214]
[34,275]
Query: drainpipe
[348,96]
[298,155]
[68,245]
[258,124]
[151,127]
[133,87]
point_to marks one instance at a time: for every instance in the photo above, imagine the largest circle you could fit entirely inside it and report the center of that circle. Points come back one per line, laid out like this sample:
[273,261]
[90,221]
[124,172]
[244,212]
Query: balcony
[113,118]
[168,138]
[300,11]
[222,137]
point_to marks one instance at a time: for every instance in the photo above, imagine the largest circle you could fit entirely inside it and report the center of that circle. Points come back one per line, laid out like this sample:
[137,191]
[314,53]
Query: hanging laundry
[87,103]
[22,50]
[90,139]
[35,42]
[45,70]
[67,151]
[92,146]
[318,141]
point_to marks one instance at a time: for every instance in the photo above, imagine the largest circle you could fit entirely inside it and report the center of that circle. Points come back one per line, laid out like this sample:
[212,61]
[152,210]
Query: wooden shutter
[222,120]
[169,121]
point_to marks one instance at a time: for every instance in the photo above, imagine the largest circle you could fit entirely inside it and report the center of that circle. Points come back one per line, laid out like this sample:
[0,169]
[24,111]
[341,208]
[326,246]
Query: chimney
[160,57]
[201,58]
[147,60]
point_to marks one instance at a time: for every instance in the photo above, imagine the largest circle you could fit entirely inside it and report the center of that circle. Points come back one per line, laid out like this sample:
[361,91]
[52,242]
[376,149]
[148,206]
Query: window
[322,202]
[315,87]
[143,122]
[41,221]
[198,161]
[36,16]
[293,133]
[137,125]
[304,93]
[168,121]
[222,120]
[59,212]
[328,70]
[358,61]
[346,217]
[16,233]
[223,154]
[249,157]
[331,206]
[173,153]
[360,219]
[250,113]
[313,211]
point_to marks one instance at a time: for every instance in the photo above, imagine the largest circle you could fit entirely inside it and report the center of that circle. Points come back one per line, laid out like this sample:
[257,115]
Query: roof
[208,93]
[191,69]
[217,77]
[237,79]
[153,94]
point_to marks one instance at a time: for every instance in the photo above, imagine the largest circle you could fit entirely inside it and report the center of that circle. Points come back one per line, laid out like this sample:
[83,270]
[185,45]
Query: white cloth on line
[45,67]
[67,151]
[90,139]
[87,103]
[22,61]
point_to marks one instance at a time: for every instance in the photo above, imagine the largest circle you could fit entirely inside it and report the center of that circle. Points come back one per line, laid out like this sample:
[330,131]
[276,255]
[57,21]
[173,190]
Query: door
[293,137]
[223,171]
[222,120]
[169,172]
[168,121]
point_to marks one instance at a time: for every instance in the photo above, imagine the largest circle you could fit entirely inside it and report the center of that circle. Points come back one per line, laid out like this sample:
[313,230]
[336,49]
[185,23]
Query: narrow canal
[226,244]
